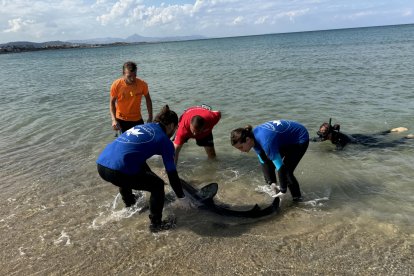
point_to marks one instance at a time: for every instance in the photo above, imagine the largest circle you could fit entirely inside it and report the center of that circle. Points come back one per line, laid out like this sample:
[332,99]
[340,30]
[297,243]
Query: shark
[205,197]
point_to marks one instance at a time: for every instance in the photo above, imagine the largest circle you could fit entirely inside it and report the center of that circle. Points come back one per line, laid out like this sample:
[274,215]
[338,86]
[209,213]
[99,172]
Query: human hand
[278,191]
[279,194]
[115,125]
[183,203]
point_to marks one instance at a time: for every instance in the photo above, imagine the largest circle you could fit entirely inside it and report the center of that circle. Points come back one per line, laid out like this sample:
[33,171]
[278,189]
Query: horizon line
[212,37]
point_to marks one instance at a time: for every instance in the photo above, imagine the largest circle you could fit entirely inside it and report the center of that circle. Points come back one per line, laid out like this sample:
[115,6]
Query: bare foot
[399,129]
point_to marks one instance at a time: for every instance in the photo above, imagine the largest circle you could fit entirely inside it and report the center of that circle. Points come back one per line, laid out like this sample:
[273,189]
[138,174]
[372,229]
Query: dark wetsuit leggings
[291,155]
[145,181]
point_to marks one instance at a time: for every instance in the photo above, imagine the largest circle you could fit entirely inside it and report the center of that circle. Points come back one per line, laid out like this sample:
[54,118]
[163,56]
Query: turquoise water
[59,217]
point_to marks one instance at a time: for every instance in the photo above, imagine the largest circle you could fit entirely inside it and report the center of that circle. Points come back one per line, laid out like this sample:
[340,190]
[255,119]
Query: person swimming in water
[330,132]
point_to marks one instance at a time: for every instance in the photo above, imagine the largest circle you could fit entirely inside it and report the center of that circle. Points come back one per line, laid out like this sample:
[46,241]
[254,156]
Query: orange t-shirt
[128,98]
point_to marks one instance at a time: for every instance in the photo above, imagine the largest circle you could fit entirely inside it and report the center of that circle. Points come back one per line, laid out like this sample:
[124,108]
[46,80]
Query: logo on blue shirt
[279,126]
[137,135]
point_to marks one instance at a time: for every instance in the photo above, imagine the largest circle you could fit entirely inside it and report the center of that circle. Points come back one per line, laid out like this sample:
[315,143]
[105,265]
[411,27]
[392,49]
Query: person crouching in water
[123,163]
[197,122]
[279,145]
[330,132]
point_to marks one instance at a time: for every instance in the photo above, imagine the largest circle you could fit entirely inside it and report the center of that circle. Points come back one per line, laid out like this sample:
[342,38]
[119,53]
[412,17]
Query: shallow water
[58,217]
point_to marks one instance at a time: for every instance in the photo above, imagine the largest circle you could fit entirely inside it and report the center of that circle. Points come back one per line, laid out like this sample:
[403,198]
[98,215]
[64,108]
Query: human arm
[283,178]
[181,137]
[268,169]
[112,110]
[316,139]
[281,172]
[148,101]
[168,160]
[177,152]
[340,140]
[175,183]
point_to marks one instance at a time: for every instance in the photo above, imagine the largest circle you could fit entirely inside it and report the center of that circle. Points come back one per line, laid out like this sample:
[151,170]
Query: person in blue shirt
[123,163]
[280,145]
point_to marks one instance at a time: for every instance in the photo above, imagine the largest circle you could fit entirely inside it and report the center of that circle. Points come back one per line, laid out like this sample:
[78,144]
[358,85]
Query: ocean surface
[57,216]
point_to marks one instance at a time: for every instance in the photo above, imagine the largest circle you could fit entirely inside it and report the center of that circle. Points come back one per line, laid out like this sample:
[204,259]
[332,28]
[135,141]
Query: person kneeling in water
[279,145]
[123,163]
[340,139]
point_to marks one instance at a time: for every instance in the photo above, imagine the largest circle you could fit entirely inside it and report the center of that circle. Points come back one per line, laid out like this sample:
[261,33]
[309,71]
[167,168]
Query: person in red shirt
[197,122]
[125,99]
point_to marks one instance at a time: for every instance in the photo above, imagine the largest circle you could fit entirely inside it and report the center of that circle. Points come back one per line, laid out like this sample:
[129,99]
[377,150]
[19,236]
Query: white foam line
[103,217]
[115,200]
[316,201]
[21,251]
[63,236]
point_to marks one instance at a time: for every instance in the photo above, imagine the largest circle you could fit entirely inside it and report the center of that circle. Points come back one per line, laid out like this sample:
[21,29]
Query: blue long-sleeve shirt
[132,148]
[272,135]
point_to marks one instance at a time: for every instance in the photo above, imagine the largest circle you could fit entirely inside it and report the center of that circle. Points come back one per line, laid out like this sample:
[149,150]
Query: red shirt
[184,133]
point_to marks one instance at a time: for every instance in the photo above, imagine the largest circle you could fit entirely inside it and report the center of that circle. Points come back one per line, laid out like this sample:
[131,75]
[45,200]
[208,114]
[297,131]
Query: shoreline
[31,47]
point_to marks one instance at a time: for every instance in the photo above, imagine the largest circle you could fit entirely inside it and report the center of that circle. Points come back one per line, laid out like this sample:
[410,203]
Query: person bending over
[197,122]
[340,139]
[125,99]
[123,163]
[280,145]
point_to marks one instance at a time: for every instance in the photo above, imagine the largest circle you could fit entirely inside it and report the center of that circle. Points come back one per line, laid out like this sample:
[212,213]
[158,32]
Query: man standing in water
[125,99]
[197,122]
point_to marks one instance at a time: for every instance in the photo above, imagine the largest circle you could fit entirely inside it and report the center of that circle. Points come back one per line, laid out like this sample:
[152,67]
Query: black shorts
[206,141]
[125,125]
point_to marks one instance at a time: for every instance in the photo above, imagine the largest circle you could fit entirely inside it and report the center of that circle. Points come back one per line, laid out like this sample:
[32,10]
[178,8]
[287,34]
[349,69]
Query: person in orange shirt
[125,99]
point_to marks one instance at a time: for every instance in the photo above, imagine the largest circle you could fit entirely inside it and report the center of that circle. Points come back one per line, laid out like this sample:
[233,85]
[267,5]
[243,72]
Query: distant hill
[28,44]
[135,38]
[25,46]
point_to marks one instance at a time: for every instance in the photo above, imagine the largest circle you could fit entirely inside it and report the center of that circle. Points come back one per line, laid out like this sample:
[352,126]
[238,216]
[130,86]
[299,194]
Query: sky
[41,21]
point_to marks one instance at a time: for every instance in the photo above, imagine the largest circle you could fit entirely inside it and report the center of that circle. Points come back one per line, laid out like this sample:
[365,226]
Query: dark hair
[198,122]
[329,129]
[239,135]
[166,116]
[131,66]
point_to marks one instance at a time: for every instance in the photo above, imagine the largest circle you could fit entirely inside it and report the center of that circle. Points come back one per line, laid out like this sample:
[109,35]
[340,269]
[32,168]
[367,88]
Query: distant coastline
[20,47]
[27,46]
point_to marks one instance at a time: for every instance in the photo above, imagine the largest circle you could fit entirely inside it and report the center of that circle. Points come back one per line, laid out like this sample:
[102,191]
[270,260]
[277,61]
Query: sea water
[58,217]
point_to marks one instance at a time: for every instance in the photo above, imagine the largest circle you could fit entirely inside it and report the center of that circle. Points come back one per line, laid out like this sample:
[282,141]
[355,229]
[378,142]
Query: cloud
[202,14]
[129,12]
[407,13]
[17,25]
[262,20]
[293,14]
[79,19]
[118,11]
[237,21]
[154,16]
